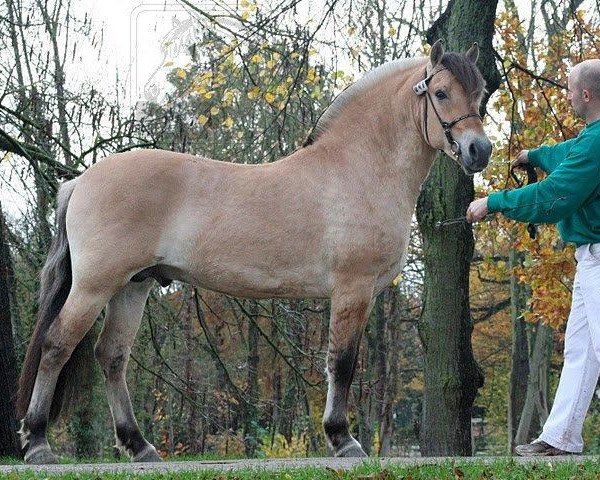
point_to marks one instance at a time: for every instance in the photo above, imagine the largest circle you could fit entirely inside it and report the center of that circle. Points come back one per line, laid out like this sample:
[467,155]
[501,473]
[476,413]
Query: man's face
[575,95]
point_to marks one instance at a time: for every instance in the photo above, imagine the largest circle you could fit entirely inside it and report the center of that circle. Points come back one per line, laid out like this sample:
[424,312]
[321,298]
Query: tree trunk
[9,445]
[451,377]
[519,371]
[535,407]
[251,410]
[386,427]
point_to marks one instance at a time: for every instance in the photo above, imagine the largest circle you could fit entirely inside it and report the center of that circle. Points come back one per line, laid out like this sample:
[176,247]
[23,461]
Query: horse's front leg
[350,307]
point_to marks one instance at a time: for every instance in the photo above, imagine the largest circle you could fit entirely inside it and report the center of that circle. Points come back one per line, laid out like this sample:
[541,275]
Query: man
[570,197]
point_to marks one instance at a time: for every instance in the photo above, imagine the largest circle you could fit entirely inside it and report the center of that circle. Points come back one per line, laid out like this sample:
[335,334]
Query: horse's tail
[55,285]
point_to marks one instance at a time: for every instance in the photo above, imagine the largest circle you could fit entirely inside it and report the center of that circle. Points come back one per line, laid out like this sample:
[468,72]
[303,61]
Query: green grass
[451,470]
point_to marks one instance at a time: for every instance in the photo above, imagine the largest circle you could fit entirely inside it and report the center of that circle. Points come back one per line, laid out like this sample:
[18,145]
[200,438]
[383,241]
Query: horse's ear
[437,52]
[473,53]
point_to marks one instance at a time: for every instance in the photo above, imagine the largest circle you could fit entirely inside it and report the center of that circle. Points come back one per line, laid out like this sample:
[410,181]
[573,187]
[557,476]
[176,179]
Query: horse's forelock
[465,72]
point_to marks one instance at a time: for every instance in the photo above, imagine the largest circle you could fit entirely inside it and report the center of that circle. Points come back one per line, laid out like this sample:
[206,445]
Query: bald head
[586,76]
[584,90]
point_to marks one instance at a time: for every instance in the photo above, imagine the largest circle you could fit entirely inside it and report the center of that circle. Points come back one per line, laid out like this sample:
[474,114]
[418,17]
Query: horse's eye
[441,95]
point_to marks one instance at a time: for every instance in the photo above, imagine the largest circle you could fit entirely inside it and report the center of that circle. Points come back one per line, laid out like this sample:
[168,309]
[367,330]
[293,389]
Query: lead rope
[531,178]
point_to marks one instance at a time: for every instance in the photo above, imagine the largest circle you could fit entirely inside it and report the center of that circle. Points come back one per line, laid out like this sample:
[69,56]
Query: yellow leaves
[226,50]
[228,123]
[181,73]
[271,64]
[256,58]
[218,79]
[205,76]
[202,119]
[392,31]
[550,278]
[247,9]
[254,92]
[316,93]
[249,5]
[311,75]
[228,96]
[281,89]
[168,64]
[281,448]
[569,122]
[214,110]
[269,98]
[397,280]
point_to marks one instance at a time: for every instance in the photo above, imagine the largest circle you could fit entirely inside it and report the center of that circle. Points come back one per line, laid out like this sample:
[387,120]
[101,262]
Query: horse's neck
[384,145]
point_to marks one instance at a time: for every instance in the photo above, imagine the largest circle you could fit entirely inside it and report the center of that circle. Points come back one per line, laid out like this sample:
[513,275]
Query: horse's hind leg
[74,320]
[350,307]
[123,317]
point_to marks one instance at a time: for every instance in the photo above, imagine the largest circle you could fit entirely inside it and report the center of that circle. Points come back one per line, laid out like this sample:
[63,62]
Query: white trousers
[581,358]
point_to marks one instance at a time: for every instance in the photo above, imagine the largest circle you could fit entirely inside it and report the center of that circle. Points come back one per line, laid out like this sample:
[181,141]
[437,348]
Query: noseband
[423,88]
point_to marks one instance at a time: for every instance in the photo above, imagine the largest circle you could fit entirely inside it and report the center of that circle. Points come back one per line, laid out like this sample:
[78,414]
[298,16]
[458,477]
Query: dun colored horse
[331,220]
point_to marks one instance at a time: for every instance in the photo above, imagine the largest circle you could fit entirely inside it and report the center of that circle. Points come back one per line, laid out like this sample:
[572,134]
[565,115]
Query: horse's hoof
[351,449]
[40,456]
[148,454]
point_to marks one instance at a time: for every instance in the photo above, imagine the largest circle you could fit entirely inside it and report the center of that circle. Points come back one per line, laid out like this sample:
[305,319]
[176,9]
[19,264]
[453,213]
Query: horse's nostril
[480,150]
[473,150]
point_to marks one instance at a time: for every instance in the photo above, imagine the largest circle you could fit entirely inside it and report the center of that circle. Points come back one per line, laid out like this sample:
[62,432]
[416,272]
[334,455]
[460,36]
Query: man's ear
[436,54]
[585,94]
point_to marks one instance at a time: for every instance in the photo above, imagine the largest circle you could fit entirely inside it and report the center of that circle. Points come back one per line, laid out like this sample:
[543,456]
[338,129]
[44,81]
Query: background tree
[9,444]
[452,376]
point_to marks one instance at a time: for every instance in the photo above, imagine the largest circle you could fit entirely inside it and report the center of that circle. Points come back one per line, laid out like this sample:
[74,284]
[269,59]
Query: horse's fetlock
[130,440]
[34,425]
[335,426]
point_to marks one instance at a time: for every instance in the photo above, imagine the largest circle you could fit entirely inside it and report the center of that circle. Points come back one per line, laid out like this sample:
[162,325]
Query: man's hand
[477,210]
[522,157]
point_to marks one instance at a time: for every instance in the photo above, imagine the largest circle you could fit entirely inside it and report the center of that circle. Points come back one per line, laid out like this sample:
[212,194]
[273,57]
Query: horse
[331,220]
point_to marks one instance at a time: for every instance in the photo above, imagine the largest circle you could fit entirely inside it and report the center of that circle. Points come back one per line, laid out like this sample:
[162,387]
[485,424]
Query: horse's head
[452,90]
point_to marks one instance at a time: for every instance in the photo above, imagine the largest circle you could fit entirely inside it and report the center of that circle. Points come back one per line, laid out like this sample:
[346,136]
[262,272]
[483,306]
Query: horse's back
[237,228]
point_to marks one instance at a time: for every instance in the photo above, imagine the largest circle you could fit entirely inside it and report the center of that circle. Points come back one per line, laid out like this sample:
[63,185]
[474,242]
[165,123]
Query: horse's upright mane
[367,81]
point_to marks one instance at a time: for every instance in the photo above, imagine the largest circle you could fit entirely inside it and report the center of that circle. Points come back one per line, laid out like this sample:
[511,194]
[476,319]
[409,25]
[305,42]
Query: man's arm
[554,198]
[548,157]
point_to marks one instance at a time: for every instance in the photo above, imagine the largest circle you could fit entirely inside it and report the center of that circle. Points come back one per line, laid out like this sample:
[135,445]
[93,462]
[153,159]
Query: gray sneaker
[539,449]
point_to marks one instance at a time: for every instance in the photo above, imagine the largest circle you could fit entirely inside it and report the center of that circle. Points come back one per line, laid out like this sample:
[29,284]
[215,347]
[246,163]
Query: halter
[423,88]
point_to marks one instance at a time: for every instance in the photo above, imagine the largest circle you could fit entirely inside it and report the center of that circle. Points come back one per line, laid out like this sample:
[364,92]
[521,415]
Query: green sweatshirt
[568,196]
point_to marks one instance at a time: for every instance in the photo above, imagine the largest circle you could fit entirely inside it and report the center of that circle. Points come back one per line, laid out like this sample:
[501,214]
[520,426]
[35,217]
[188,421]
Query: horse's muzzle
[476,155]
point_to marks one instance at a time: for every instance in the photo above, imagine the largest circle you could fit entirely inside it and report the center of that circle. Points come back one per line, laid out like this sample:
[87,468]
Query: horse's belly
[248,271]
[255,282]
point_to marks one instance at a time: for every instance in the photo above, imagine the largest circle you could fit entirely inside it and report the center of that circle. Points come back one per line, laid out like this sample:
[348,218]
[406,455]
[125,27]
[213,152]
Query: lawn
[504,469]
